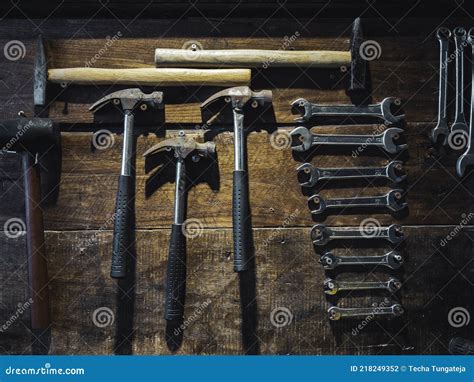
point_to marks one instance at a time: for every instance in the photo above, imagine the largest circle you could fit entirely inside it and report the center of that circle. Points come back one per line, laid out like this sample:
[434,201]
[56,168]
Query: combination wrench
[460,39]
[382,110]
[303,140]
[331,286]
[310,175]
[391,201]
[392,260]
[467,159]
[321,235]
[336,313]
[441,130]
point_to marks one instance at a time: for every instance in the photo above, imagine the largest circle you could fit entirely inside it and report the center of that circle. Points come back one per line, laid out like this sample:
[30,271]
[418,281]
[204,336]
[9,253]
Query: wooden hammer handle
[151,76]
[252,58]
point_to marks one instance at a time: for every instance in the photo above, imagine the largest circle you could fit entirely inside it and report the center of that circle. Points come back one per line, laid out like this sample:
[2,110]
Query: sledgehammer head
[41,139]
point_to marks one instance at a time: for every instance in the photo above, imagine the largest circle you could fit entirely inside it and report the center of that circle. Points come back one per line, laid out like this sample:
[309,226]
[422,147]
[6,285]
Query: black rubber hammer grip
[241,222]
[122,228]
[176,276]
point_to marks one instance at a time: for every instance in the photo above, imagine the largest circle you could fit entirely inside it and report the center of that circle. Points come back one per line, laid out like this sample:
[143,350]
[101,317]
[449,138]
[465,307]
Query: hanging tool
[392,260]
[239,98]
[332,287]
[180,149]
[460,40]
[321,234]
[128,100]
[336,313]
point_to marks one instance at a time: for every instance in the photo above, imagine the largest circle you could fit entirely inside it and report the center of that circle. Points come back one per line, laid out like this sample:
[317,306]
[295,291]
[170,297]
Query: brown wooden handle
[37,265]
[151,76]
[251,58]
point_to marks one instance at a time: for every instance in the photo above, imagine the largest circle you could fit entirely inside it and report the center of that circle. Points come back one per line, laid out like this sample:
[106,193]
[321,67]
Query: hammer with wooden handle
[355,59]
[130,76]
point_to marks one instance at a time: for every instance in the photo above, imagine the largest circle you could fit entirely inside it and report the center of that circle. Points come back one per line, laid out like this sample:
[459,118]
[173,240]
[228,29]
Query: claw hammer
[239,98]
[128,100]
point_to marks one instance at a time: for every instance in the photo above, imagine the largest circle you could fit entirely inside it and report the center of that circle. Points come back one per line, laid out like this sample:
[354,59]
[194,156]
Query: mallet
[37,140]
[133,76]
[254,58]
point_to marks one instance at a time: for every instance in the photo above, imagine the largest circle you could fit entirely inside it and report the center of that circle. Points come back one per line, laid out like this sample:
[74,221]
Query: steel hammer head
[180,147]
[129,99]
[359,80]
[239,97]
[41,139]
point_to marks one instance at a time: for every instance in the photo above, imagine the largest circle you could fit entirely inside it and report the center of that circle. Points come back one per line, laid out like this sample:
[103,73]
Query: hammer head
[239,97]
[130,99]
[359,80]
[180,148]
[41,139]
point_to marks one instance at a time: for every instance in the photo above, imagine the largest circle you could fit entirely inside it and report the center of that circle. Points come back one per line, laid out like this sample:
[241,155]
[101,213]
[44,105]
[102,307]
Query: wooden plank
[436,279]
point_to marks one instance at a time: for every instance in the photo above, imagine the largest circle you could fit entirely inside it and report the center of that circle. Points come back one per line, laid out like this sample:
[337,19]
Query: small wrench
[321,234]
[382,110]
[313,175]
[460,38]
[391,260]
[391,200]
[467,159]
[384,140]
[441,131]
[336,313]
[332,286]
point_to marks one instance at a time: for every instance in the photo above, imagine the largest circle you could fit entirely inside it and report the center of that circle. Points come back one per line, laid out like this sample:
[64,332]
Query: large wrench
[467,159]
[311,175]
[392,260]
[460,38]
[391,200]
[304,140]
[321,235]
[441,131]
[336,313]
[382,110]
[331,286]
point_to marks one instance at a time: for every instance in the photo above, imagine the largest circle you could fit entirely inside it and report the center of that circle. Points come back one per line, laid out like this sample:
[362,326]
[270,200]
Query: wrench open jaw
[382,110]
[391,200]
[309,175]
[302,140]
[321,235]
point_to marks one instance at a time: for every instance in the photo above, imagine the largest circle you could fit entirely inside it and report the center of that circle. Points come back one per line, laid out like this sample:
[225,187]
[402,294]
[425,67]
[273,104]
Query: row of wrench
[460,135]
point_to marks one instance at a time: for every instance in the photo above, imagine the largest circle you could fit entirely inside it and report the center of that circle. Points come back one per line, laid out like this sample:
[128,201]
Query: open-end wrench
[321,235]
[460,38]
[392,260]
[441,131]
[467,159]
[391,201]
[382,110]
[303,140]
[310,175]
[336,313]
[333,286]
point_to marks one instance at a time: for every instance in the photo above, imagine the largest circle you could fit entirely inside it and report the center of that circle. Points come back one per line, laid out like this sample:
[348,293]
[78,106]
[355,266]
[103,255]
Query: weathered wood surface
[436,278]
